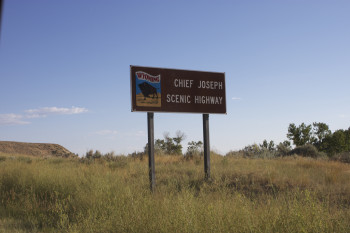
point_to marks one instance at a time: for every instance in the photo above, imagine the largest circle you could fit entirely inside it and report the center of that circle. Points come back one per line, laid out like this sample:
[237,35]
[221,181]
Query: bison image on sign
[147,89]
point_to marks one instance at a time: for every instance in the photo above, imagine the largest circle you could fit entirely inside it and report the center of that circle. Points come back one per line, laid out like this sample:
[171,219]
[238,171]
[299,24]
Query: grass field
[290,194]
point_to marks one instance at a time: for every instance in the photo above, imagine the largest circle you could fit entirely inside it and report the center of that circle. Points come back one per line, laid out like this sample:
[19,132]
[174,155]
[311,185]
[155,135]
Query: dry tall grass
[244,195]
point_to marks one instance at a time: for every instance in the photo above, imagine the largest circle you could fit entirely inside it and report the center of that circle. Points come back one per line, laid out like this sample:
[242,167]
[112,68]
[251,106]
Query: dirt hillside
[34,149]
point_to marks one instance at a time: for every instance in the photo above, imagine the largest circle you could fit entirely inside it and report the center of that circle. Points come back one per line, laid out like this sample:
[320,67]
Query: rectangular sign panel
[173,90]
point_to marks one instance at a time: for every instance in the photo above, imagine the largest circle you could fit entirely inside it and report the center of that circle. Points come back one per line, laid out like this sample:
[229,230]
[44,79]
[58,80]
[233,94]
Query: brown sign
[172,90]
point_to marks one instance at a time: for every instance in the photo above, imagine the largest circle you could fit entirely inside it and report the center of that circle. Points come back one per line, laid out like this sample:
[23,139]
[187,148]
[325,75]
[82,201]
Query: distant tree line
[319,135]
[314,140]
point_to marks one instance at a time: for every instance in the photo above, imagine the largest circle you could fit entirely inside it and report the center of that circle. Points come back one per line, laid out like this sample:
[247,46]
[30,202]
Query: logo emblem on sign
[148,92]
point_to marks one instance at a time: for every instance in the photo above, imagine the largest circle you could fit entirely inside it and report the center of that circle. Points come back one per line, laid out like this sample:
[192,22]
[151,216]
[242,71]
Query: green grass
[243,195]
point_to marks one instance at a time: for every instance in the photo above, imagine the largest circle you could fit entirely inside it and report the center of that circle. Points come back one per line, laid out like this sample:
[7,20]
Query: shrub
[97,155]
[137,155]
[89,154]
[342,157]
[251,150]
[256,151]
[168,145]
[93,155]
[233,153]
[194,149]
[283,148]
[307,150]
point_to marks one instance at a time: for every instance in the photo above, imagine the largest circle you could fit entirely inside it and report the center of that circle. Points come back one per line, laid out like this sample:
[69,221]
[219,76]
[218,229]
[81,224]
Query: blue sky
[65,68]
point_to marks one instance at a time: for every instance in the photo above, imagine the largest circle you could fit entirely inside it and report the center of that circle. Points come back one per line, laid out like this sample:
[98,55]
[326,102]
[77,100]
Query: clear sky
[65,68]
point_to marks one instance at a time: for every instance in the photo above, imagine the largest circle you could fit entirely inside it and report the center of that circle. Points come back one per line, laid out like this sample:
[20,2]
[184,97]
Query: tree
[283,148]
[168,145]
[194,148]
[300,135]
[93,155]
[159,146]
[336,143]
[320,132]
[319,135]
[173,144]
[268,146]
[180,136]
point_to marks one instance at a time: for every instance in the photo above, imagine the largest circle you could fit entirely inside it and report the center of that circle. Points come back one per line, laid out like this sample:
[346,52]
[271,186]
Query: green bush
[307,150]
